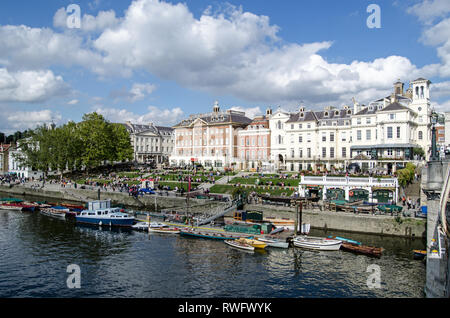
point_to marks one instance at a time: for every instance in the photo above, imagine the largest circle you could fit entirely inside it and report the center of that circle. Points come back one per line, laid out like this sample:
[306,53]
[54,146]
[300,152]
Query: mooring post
[301,211]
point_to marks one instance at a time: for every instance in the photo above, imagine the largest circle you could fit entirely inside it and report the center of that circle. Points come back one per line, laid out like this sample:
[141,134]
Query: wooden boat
[240,245]
[164,230]
[11,206]
[361,249]
[17,207]
[419,254]
[317,243]
[273,242]
[55,213]
[209,234]
[252,242]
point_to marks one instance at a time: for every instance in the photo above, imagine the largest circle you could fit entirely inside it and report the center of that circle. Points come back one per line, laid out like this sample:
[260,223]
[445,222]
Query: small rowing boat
[361,249]
[55,213]
[419,254]
[209,234]
[273,242]
[164,230]
[317,243]
[252,242]
[240,245]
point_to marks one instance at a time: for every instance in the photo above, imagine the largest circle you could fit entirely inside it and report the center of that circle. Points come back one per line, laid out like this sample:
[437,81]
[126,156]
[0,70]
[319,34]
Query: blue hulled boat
[101,213]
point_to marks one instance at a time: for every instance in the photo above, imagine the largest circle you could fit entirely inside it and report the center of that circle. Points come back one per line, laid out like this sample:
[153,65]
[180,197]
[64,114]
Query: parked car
[147,191]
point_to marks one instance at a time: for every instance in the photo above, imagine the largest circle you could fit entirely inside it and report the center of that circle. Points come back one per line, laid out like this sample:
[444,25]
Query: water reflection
[35,251]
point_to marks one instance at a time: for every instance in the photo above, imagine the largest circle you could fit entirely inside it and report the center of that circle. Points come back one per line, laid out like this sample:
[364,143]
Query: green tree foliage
[73,146]
[406,175]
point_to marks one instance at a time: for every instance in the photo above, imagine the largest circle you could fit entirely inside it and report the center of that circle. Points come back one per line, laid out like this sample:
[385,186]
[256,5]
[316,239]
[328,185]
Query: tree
[96,135]
[123,150]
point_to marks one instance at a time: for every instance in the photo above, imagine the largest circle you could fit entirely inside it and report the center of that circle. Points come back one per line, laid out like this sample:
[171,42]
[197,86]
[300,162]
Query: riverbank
[350,222]
[326,220]
[145,202]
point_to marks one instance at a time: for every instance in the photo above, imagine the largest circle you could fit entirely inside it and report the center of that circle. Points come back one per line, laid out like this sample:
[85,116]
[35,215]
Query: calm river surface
[36,250]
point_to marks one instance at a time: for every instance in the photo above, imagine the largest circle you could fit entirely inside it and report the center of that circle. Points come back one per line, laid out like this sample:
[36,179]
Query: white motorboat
[317,243]
[101,213]
[141,226]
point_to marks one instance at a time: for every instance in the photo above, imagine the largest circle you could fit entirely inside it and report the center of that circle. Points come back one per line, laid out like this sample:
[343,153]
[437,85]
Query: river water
[35,252]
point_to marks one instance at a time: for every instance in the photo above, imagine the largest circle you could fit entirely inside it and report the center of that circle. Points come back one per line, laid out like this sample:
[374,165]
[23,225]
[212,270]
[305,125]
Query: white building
[151,143]
[379,136]
[17,168]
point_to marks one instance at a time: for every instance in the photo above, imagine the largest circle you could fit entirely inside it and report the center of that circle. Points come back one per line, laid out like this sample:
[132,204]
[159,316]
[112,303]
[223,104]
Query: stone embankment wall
[349,222]
[146,202]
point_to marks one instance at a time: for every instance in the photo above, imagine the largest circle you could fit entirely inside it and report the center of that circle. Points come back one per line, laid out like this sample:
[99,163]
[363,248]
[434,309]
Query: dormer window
[336,113]
[302,115]
[326,114]
[349,112]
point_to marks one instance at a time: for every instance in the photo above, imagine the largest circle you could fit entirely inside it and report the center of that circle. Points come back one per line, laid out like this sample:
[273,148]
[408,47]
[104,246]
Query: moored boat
[17,207]
[419,254]
[55,213]
[239,244]
[317,243]
[273,242]
[140,226]
[214,235]
[101,213]
[253,242]
[361,249]
[164,230]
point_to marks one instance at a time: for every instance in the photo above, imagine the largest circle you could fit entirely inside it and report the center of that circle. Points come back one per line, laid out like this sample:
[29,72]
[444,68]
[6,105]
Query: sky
[159,61]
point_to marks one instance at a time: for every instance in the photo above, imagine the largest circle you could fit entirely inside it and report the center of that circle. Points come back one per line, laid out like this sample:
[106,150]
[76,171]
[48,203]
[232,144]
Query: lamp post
[434,152]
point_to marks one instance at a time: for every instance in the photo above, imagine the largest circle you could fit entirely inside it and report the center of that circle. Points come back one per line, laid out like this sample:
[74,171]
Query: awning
[384,146]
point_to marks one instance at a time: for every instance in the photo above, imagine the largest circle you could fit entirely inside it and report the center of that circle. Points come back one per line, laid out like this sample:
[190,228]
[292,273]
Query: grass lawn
[228,189]
[275,181]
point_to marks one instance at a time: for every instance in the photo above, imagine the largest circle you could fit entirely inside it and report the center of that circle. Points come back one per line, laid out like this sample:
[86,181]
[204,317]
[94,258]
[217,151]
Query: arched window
[280,139]
[417,91]
[421,92]
[279,124]
[420,135]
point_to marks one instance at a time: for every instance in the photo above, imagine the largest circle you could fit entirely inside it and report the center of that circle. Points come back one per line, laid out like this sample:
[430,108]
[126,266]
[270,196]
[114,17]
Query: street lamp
[434,152]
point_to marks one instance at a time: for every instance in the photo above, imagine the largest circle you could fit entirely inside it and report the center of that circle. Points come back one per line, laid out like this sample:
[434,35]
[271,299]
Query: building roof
[394,106]
[228,117]
[307,116]
[139,128]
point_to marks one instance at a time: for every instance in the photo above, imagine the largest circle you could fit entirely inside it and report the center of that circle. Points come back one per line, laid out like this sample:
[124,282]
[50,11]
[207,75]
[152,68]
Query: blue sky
[160,61]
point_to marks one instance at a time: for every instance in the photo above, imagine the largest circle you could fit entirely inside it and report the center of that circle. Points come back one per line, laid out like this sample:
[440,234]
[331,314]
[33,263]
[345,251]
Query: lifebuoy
[351,193]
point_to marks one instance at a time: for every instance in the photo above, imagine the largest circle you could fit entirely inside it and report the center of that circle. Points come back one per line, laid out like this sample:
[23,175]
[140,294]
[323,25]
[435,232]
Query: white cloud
[239,53]
[137,92]
[250,112]
[21,120]
[73,102]
[158,116]
[227,51]
[30,86]
[429,10]
[89,23]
